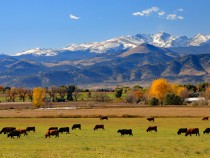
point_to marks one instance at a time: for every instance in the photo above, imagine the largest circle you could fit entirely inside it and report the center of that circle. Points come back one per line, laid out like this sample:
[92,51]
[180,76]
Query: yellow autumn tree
[207,93]
[174,88]
[39,96]
[182,92]
[159,88]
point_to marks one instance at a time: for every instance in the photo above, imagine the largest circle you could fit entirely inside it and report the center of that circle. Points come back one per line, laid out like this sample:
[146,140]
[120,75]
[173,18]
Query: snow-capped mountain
[199,39]
[39,52]
[125,43]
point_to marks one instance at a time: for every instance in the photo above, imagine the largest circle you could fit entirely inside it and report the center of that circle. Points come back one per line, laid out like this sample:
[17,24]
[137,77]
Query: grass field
[106,143]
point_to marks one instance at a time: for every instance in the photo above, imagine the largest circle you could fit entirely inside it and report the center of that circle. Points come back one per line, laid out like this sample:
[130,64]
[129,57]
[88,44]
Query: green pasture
[106,143]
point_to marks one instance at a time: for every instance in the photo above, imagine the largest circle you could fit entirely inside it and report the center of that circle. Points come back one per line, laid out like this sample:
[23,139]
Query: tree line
[160,92]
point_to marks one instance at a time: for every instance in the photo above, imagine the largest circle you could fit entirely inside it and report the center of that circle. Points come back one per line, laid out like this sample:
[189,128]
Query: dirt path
[112,112]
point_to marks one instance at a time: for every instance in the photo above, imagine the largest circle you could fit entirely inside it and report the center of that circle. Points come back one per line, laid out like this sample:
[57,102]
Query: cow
[192,131]
[207,130]
[182,130]
[205,118]
[64,129]
[6,130]
[14,133]
[98,127]
[151,119]
[52,128]
[125,131]
[54,132]
[152,128]
[22,131]
[28,129]
[103,118]
[75,126]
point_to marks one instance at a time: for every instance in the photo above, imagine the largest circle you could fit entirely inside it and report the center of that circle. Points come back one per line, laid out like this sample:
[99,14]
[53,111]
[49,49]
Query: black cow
[14,133]
[6,130]
[192,131]
[99,127]
[104,118]
[207,130]
[53,128]
[151,119]
[152,128]
[75,126]
[125,131]
[64,129]
[182,130]
[28,129]
[54,132]
[205,118]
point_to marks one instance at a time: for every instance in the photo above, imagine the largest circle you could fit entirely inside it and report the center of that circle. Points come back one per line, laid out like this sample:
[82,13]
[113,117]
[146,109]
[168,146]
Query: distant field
[106,143]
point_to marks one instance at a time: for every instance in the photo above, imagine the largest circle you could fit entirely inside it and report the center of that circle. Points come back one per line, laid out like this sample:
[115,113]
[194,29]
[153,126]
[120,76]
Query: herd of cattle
[54,131]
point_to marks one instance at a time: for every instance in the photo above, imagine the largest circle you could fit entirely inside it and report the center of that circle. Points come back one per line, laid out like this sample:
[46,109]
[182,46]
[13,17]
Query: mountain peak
[124,43]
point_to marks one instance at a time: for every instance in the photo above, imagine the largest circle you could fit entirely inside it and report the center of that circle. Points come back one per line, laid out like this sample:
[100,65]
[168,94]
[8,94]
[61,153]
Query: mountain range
[125,60]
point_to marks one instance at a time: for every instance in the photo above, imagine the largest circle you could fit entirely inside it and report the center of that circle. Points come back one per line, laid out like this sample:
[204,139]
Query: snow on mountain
[199,40]
[38,52]
[124,43]
[114,44]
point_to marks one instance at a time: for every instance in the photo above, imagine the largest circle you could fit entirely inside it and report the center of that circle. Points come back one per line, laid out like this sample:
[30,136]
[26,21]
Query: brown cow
[22,131]
[205,118]
[192,131]
[151,119]
[98,127]
[152,128]
[54,132]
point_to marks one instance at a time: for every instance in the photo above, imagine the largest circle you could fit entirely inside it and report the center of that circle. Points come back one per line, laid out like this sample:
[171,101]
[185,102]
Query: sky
[54,24]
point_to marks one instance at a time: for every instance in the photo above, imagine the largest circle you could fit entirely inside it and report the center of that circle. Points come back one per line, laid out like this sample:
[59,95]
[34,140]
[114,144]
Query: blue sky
[27,24]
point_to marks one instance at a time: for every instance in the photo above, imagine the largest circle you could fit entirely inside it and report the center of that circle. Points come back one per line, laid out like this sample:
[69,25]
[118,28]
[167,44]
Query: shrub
[153,102]
[101,97]
[172,99]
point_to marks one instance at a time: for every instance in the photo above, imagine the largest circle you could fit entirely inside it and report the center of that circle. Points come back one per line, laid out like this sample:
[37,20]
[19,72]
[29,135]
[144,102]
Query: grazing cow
[182,130]
[52,128]
[125,131]
[98,127]
[28,129]
[14,133]
[207,130]
[64,129]
[152,128]
[192,131]
[205,118]
[6,130]
[151,119]
[104,118]
[75,126]
[22,131]
[54,132]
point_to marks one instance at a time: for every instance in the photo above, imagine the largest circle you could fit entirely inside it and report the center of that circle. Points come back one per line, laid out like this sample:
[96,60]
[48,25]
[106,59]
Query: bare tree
[22,92]
[76,93]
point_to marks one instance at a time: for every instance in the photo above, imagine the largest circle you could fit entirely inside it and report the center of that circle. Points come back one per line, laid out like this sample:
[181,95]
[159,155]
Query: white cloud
[147,12]
[174,17]
[74,17]
[161,13]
